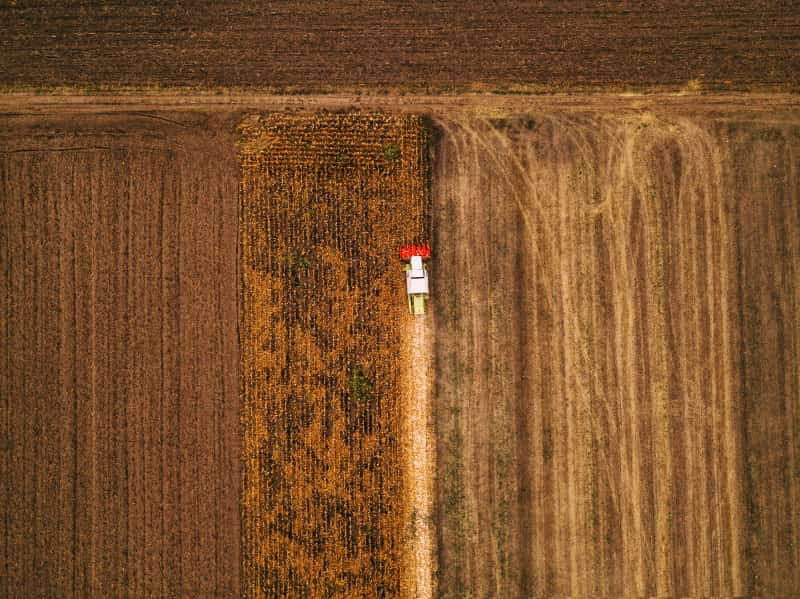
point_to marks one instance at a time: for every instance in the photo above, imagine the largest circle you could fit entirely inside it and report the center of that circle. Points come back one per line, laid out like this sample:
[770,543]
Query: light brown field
[614,325]
[617,302]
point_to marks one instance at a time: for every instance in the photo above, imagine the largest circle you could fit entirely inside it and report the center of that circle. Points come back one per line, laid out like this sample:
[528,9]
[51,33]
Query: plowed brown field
[617,345]
[119,358]
[438,46]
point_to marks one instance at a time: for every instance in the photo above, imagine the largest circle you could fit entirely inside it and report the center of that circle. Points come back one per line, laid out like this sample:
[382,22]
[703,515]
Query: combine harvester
[416,275]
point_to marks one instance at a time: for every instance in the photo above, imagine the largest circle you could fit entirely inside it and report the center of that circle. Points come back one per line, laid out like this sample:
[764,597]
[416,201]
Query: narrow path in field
[420,449]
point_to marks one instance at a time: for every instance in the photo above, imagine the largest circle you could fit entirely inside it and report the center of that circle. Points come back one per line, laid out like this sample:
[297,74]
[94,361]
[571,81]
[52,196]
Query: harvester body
[416,276]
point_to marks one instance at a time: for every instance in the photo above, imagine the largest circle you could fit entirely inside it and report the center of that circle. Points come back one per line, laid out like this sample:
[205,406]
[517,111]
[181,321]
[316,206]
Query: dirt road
[176,105]
[617,339]
[119,384]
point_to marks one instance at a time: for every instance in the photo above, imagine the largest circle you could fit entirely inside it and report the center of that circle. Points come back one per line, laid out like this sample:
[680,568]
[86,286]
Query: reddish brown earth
[566,44]
[119,357]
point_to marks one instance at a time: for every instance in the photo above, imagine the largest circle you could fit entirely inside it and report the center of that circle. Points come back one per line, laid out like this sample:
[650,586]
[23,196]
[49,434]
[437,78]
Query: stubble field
[617,337]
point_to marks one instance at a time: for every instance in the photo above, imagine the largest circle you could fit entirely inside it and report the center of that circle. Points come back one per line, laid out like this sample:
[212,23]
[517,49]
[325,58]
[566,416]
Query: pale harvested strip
[419,448]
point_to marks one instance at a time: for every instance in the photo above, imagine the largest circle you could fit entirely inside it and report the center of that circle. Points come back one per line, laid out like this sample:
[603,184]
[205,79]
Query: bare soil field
[617,344]
[119,357]
[419,45]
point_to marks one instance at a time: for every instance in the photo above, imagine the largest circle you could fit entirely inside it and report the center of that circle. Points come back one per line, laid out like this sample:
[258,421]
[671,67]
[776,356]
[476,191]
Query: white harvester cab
[416,277]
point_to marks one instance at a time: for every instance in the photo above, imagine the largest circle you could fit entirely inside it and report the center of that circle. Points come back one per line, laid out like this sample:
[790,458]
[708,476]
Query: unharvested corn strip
[326,200]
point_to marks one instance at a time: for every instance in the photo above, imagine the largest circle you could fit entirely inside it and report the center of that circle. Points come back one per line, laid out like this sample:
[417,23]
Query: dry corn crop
[325,200]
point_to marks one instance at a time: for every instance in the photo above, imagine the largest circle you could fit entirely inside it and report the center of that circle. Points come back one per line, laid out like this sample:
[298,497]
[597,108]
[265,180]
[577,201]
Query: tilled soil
[617,399]
[120,395]
[419,45]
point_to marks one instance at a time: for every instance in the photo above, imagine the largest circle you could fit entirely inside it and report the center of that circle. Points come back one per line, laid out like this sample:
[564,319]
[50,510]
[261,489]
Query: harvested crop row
[326,200]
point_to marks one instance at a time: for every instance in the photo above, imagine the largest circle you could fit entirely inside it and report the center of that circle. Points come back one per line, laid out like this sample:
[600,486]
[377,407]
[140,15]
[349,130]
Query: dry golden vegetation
[325,202]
